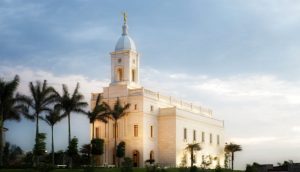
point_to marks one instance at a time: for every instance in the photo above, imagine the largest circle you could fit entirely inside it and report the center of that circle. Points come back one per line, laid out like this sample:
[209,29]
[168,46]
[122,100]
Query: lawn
[99,170]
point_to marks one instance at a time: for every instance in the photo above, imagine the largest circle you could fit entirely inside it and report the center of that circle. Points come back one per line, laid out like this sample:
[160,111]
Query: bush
[150,161]
[218,169]
[127,165]
[97,146]
[193,169]
[183,169]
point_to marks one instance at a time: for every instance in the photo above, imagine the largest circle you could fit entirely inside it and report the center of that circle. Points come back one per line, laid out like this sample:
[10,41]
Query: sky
[240,58]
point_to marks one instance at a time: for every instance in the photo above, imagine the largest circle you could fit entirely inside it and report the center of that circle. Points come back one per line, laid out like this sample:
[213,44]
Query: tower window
[119,60]
[203,137]
[210,138]
[135,107]
[194,135]
[151,108]
[133,75]
[136,130]
[151,131]
[184,134]
[120,74]
[218,139]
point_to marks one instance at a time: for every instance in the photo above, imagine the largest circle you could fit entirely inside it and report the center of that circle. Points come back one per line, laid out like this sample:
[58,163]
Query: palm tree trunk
[93,127]
[36,136]
[69,124]
[69,131]
[52,146]
[192,157]
[1,140]
[92,157]
[232,159]
[115,128]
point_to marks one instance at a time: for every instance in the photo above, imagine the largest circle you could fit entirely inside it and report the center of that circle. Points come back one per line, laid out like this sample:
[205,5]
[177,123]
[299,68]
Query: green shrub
[193,169]
[127,165]
[183,169]
[218,169]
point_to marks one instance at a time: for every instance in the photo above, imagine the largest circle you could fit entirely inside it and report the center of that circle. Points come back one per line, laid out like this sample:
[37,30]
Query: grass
[99,170]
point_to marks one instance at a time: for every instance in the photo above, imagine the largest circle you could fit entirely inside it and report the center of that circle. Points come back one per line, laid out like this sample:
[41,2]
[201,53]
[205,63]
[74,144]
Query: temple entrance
[136,158]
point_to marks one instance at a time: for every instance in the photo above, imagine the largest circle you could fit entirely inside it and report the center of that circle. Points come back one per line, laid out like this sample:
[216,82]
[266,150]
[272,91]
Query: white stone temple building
[156,127]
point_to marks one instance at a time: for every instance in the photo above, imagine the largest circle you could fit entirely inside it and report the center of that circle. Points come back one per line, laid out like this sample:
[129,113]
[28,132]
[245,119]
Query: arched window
[133,75]
[151,155]
[119,74]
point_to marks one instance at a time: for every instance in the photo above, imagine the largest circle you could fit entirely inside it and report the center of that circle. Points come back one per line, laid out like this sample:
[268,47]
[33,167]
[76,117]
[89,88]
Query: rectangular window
[97,132]
[133,75]
[194,135]
[135,107]
[136,130]
[184,134]
[218,139]
[203,137]
[210,138]
[151,108]
[151,131]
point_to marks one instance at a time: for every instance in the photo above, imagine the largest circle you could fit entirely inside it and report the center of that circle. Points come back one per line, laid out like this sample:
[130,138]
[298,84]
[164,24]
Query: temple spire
[125,17]
[125,27]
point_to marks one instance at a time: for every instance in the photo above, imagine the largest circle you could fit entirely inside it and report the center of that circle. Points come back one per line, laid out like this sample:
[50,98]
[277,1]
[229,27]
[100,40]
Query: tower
[125,60]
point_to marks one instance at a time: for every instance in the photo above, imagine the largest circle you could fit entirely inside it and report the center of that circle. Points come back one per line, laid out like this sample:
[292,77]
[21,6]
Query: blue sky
[241,58]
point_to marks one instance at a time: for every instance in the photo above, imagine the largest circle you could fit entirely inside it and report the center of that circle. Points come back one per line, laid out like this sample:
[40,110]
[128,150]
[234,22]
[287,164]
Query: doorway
[136,158]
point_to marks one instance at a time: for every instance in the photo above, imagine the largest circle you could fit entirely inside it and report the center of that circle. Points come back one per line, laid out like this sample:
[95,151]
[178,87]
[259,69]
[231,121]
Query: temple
[156,127]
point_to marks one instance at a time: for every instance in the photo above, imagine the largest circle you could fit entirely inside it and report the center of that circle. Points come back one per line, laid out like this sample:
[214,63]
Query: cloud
[253,140]
[259,111]
[296,129]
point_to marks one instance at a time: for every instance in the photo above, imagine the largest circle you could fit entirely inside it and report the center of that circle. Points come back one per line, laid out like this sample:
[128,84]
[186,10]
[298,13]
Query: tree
[120,151]
[10,109]
[51,119]
[73,150]
[191,148]
[85,151]
[226,160]
[98,113]
[232,148]
[116,113]
[97,147]
[42,96]
[39,148]
[71,103]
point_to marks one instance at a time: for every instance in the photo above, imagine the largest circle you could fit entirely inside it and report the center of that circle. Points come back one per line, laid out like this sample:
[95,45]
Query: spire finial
[125,17]
[125,27]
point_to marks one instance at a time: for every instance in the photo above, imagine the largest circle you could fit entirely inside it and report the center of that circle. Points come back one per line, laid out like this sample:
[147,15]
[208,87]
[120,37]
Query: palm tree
[98,113]
[71,103]
[42,96]
[191,148]
[231,148]
[115,114]
[9,107]
[51,119]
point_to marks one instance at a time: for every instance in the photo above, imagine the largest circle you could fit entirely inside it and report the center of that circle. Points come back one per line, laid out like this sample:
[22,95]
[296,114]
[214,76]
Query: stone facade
[156,126]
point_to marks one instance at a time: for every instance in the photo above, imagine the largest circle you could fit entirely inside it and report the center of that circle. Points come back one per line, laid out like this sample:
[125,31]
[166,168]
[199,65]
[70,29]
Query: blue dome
[125,42]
